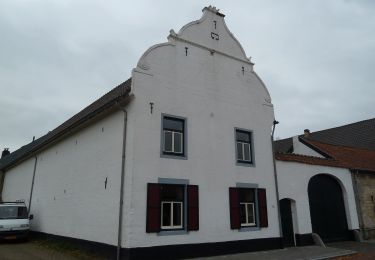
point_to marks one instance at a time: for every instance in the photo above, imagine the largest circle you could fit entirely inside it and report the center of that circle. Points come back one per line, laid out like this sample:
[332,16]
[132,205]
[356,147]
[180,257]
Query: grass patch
[65,247]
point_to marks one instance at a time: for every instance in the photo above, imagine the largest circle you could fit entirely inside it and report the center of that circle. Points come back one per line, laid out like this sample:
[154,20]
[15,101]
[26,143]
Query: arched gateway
[327,210]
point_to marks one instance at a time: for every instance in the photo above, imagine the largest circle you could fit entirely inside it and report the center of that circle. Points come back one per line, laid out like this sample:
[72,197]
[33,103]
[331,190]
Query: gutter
[275,175]
[123,157]
[32,185]
[2,177]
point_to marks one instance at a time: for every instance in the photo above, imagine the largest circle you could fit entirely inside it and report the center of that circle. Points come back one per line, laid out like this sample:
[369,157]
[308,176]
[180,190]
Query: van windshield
[13,212]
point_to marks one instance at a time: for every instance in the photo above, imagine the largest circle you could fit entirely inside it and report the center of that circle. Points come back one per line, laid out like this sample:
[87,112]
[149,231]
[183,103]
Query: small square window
[173,136]
[244,152]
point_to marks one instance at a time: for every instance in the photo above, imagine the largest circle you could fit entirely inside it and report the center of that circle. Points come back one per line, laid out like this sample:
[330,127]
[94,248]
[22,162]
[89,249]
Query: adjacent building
[337,169]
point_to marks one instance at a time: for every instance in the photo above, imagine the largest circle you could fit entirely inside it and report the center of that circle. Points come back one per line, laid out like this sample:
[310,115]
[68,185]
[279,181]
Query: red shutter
[262,205]
[234,205]
[193,207]
[153,208]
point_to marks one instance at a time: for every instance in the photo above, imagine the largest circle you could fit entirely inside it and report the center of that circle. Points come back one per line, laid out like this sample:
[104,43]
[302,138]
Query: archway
[327,210]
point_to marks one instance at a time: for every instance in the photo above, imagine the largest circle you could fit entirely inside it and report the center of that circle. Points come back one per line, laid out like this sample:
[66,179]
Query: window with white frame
[172,206]
[244,147]
[247,207]
[173,136]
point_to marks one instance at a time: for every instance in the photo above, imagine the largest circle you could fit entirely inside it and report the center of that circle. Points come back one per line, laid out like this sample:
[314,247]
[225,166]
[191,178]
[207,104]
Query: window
[248,208]
[172,207]
[173,136]
[244,147]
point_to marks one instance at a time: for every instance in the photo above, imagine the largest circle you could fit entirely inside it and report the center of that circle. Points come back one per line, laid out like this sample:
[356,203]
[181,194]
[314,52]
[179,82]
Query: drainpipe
[275,175]
[2,177]
[32,184]
[119,238]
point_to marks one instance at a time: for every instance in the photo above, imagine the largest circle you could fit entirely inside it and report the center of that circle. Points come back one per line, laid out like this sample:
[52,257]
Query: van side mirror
[31,216]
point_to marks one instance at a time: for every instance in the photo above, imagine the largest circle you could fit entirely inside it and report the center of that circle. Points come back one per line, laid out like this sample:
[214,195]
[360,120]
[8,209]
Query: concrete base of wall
[168,251]
[368,233]
[304,239]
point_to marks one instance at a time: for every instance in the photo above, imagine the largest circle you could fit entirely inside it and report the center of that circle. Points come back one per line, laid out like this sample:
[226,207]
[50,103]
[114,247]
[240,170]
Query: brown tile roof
[291,157]
[349,157]
[113,97]
[342,156]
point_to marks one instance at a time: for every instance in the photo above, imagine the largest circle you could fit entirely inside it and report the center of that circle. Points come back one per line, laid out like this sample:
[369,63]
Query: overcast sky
[317,58]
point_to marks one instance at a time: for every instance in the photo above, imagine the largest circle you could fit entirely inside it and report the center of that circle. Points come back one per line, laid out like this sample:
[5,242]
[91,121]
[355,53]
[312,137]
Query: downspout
[32,184]
[119,238]
[2,177]
[276,181]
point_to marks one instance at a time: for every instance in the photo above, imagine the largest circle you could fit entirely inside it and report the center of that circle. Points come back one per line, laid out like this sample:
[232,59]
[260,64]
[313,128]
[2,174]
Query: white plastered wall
[293,181]
[17,182]
[300,148]
[212,92]
[69,197]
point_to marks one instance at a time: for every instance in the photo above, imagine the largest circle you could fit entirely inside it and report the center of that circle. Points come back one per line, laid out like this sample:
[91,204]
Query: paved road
[32,251]
[306,252]
[366,251]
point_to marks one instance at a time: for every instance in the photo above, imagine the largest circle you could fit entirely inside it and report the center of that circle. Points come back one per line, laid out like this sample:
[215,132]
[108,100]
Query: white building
[316,191]
[184,144]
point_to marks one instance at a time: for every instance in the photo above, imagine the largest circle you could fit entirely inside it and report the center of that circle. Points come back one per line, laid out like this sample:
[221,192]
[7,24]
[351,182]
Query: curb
[328,256]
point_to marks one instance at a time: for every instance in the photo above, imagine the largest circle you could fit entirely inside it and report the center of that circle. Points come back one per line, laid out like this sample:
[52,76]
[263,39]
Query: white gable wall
[300,148]
[214,95]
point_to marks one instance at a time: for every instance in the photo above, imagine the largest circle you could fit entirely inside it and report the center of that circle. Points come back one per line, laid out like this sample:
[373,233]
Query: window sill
[246,229]
[239,163]
[172,232]
[173,156]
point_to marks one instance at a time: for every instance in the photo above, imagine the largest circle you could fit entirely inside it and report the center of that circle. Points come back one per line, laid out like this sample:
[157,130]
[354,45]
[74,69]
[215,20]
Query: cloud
[315,57]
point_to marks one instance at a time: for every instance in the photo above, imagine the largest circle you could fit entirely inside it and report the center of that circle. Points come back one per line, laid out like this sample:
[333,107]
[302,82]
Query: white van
[14,221]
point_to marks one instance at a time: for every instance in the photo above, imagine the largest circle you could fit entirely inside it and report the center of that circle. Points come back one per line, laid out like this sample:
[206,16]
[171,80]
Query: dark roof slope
[284,145]
[360,135]
[114,96]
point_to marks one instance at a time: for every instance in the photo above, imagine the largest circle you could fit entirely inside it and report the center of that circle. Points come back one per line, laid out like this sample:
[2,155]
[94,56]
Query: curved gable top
[211,32]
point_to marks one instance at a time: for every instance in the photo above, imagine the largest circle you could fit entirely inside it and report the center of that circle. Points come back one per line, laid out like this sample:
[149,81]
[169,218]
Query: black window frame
[183,207]
[250,142]
[242,190]
[172,154]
